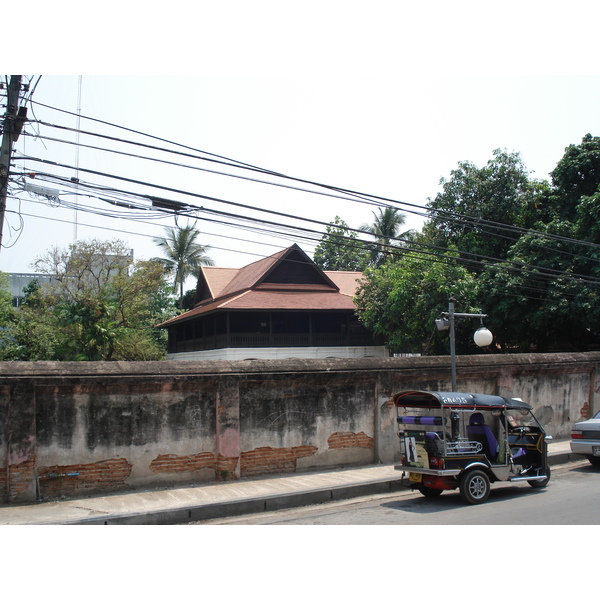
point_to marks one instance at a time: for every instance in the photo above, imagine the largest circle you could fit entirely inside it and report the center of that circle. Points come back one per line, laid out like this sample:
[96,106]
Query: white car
[585,439]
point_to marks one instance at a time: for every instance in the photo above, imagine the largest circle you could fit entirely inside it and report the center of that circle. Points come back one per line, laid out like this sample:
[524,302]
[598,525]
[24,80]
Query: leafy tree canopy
[475,203]
[531,250]
[401,300]
[100,305]
[340,250]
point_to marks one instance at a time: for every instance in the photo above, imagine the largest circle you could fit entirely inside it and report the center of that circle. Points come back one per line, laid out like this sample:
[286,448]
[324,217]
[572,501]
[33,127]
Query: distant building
[19,281]
[282,306]
[108,264]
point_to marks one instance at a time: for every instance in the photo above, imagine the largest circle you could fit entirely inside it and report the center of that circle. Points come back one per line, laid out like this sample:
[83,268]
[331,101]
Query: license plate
[414,477]
[596,450]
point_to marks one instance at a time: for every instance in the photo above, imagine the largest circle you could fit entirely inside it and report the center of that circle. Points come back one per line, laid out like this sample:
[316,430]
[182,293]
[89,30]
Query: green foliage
[401,300]
[528,254]
[99,306]
[498,193]
[339,249]
[576,175]
[545,299]
[385,229]
[188,300]
[183,255]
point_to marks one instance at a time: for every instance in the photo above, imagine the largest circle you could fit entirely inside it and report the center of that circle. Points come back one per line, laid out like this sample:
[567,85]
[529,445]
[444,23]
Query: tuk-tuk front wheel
[543,483]
[474,487]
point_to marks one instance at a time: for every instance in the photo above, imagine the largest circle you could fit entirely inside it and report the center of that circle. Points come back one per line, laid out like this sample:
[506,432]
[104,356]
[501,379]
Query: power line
[368,198]
[430,250]
[351,195]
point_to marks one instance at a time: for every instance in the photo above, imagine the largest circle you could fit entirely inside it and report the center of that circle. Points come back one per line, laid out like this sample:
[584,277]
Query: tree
[544,299]
[401,300]
[525,252]
[475,203]
[576,175]
[385,229]
[183,256]
[98,301]
[340,250]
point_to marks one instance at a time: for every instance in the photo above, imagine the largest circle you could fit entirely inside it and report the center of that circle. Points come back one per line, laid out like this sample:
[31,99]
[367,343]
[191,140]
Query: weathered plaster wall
[78,428]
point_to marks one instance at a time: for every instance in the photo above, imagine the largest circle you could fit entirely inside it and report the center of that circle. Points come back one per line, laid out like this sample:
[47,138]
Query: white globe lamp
[483,337]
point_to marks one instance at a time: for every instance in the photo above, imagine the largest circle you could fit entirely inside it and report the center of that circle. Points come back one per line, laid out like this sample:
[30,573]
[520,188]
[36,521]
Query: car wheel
[474,487]
[429,492]
[594,460]
[542,483]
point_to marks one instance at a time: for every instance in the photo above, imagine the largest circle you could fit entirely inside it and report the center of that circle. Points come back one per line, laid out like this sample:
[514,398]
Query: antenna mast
[77,159]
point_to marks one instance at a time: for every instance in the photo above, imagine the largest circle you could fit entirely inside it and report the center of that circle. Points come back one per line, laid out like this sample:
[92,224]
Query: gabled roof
[216,280]
[287,280]
[290,268]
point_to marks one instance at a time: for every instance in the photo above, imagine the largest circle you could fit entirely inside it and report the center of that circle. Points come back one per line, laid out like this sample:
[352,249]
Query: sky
[383,99]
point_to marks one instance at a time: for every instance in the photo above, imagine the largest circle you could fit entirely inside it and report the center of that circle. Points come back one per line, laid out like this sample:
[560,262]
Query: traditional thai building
[282,306]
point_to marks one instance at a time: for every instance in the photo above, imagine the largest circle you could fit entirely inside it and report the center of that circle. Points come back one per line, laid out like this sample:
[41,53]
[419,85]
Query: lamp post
[482,337]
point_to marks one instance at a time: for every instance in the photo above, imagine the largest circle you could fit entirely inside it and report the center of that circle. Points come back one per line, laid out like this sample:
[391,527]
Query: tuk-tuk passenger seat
[478,431]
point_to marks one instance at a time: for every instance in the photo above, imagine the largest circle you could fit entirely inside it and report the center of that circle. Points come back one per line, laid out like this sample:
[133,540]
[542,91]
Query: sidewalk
[217,500]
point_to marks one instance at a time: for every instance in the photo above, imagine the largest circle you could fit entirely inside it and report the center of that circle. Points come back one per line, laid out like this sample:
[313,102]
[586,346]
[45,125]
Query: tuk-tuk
[452,440]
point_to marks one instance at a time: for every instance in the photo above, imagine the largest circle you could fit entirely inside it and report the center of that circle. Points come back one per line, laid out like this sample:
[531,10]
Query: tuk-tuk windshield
[517,418]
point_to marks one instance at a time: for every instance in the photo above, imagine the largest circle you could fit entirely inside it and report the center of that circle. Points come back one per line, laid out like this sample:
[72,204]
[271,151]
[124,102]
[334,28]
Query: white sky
[383,98]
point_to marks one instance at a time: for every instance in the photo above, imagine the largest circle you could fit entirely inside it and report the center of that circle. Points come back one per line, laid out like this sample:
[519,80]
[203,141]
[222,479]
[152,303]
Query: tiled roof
[249,275]
[217,278]
[249,288]
[271,300]
[347,281]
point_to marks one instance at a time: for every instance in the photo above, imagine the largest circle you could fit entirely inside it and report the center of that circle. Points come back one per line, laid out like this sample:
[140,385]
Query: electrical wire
[312,236]
[461,219]
[473,259]
[367,198]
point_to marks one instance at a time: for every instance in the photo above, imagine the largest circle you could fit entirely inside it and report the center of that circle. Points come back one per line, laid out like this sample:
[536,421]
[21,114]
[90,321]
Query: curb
[236,508]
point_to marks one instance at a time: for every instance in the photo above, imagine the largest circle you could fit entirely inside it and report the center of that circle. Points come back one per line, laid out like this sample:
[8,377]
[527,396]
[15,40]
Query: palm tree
[385,229]
[183,255]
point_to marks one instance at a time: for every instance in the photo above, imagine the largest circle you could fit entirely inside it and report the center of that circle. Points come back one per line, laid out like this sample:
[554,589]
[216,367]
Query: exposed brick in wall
[226,467]
[15,480]
[348,439]
[72,480]
[223,466]
[266,460]
[172,463]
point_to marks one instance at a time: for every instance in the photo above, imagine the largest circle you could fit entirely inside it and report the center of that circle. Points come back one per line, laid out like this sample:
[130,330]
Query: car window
[597,415]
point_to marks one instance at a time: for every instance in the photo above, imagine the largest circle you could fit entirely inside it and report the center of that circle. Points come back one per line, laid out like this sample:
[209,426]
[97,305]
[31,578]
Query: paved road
[571,498]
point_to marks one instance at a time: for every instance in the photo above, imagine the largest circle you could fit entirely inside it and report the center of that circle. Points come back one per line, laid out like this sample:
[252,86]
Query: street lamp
[482,337]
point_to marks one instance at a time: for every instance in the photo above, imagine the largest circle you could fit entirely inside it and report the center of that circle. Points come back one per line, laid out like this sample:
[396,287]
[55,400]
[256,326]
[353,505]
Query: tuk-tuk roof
[418,399]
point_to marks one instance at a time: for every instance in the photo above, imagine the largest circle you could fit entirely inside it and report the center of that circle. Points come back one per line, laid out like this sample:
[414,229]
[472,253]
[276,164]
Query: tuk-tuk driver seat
[478,431]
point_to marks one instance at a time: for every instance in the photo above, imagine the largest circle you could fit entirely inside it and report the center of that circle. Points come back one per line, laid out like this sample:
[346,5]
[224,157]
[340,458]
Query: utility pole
[14,117]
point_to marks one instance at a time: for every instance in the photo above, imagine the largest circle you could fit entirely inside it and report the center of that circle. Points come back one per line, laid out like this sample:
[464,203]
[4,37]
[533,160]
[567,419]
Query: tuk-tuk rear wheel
[474,487]
[429,492]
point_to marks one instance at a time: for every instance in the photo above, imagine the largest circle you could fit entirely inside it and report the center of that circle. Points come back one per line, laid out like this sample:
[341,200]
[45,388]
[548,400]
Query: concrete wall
[68,429]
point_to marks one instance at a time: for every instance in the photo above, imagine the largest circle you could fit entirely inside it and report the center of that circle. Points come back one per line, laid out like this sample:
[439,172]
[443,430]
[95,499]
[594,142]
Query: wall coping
[12,370]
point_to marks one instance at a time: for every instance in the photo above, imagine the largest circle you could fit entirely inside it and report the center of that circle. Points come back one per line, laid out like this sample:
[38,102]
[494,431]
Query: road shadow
[586,468]
[451,500]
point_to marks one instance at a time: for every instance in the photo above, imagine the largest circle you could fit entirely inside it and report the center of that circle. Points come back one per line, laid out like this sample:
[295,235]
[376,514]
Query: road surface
[571,498]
